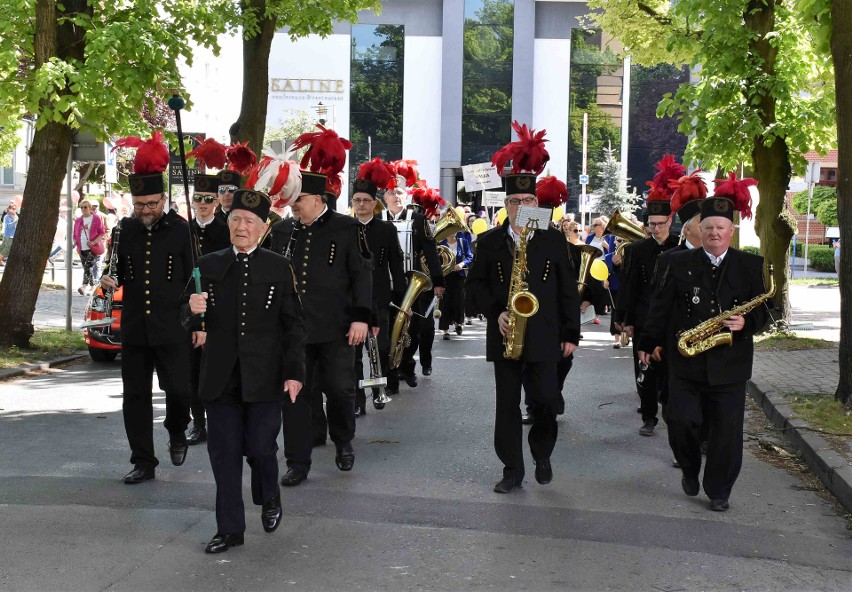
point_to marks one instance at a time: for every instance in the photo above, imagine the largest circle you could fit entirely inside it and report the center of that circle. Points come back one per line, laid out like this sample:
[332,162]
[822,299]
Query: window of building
[7,174]
[487,82]
[377,68]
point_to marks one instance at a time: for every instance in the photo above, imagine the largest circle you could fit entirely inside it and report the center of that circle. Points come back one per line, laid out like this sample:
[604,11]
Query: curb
[831,468]
[24,369]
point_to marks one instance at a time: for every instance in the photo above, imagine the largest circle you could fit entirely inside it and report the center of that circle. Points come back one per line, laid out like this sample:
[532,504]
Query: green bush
[752,250]
[821,257]
[820,204]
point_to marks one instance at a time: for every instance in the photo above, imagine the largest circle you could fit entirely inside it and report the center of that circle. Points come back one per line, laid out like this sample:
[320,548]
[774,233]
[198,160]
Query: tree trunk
[771,165]
[841,51]
[48,160]
[251,124]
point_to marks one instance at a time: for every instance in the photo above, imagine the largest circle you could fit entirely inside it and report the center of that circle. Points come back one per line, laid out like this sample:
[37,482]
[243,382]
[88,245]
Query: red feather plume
[737,191]
[669,170]
[152,156]
[378,172]
[209,153]
[551,192]
[528,154]
[240,157]
[334,185]
[326,153]
[428,198]
[687,188]
[406,169]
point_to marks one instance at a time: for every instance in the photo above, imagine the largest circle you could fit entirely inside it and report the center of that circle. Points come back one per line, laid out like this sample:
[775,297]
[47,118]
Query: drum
[403,229]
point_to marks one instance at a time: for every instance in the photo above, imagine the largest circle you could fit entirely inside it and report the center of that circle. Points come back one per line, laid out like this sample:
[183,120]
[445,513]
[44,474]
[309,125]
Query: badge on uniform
[695,298]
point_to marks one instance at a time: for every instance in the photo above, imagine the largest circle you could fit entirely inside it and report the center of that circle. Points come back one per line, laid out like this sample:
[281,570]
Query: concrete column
[523,69]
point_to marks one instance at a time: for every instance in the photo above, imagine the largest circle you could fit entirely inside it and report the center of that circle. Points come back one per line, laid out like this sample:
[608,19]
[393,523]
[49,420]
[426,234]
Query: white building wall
[421,119]
[550,101]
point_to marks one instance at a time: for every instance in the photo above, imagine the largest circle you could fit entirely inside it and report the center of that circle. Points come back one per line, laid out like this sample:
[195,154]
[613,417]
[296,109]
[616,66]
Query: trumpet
[624,229]
[376,380]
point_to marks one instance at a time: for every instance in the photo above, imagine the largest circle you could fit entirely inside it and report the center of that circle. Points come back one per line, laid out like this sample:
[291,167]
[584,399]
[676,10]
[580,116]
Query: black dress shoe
[427,370]
[527,418]
[270,515]
[345,457]
[197,435]
[458,329]
[446,337]
[719,505]
[691,487]
[410,380]
[675,464]
[222,542]
[543,471]
[177,450]
[293,477]
[506,485]
[359,411]
[138,475]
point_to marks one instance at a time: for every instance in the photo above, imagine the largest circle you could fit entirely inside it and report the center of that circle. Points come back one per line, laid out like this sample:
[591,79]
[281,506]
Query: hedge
[821,257]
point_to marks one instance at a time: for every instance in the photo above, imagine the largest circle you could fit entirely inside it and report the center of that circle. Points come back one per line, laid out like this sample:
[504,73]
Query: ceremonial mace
[176,103]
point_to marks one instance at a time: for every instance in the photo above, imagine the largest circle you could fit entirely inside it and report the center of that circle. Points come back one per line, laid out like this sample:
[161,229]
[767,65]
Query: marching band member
[551,333]
[388,276]
[709,387]
[253,353]
[334,280]
[641,258]
[154,263]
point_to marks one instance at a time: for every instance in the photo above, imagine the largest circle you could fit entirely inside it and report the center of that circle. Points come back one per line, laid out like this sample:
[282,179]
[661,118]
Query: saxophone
[712,333]
[522,303]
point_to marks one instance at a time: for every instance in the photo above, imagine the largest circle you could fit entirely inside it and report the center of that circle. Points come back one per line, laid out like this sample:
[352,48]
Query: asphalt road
[416,513]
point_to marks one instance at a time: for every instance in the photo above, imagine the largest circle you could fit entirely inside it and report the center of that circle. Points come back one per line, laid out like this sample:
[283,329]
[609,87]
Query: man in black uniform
[229,182]
[388,276]
[553,332]
[710,387]
[211,232]
[332,264]
[154,266]
[254,352]
[641,260]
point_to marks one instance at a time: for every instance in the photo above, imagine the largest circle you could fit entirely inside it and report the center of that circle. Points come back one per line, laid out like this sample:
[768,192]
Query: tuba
[588,253]
[418,283]
[449,224]
[522,303]
[624,229]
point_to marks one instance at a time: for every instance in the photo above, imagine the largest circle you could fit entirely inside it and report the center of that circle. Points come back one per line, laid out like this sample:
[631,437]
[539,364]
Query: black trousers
[237,430]
[422,334]
[563,367]
[195,404]
[452,304]
[383,339]
[721,409]
[138,363]
[654,384]
[330,369]
[508,430]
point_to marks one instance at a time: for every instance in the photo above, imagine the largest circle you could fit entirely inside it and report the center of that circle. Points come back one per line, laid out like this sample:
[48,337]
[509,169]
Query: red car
[103,339]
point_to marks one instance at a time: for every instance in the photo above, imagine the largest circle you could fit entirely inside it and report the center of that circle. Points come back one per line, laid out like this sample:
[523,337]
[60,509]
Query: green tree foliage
[764,94]
[611,187]
[823,204]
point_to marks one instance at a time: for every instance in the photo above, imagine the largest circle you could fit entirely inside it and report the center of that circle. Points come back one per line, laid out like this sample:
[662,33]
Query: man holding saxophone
[706,297]
[534,264]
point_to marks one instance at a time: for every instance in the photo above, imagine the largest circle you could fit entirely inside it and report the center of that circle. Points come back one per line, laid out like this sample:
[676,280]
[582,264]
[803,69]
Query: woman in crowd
[89,238]
[452,305]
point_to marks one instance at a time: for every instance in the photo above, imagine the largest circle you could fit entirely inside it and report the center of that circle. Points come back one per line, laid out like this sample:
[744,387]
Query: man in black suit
[229,182]
[395,202]
[552,333]
[710,387]
[254,352]
[388,281]
[211,232]
[154,263]
[334,280]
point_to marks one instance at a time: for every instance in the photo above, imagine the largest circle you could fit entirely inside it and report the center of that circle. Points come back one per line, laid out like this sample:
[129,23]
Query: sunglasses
[208,199]
[226,189]
[575,231]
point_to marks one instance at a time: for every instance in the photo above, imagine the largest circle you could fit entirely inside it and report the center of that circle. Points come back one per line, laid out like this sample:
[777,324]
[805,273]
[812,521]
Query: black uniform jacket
[254,316]
[663,262]
[332,263]
[637,290]
[388,273]
[423,243]
[154,266]
[214,236]
[690,276]
[551,278]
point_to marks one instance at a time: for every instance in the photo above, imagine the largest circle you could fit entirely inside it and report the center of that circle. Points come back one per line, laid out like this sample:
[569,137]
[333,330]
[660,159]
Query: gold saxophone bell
[588,253]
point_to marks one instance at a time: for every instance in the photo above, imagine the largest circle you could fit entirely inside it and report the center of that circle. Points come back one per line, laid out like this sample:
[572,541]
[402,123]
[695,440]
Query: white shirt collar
[205,223]
[517,237]
[689,245]
[398,215]
[324,210]
[249,252]
[717,261]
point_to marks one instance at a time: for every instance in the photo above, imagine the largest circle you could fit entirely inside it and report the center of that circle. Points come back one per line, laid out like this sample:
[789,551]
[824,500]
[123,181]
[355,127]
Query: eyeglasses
[657,224]
[575,231]
[361,200]
[208,199]
[226,189]
[515,201]
[149,205]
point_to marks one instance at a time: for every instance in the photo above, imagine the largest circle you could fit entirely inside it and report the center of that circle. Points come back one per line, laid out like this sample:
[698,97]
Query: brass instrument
[588,253]
[449,224]
[271,219]
[624,229]
[712,333]
[418,282]
[376,380]
[109,293]
[522,303]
